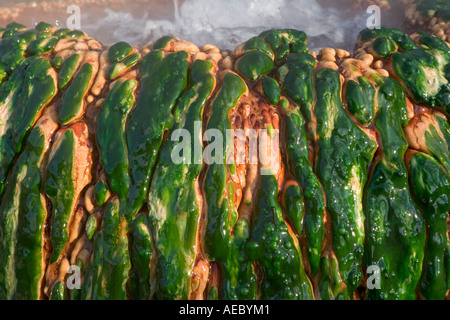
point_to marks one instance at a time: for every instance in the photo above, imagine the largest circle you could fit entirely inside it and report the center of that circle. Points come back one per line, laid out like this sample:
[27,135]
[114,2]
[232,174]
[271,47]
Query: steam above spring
[227,23]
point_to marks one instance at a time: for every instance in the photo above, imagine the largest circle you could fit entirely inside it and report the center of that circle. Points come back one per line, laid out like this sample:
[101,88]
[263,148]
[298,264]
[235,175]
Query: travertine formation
[433,16]
[93,179]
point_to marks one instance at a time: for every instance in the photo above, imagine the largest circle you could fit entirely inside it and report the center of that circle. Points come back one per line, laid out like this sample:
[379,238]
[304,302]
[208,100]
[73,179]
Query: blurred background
[224,23]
